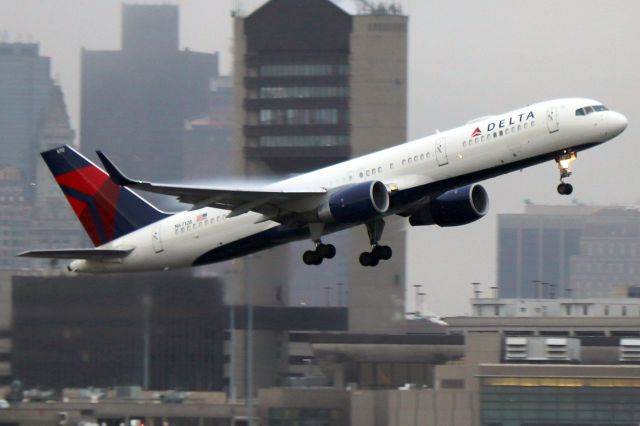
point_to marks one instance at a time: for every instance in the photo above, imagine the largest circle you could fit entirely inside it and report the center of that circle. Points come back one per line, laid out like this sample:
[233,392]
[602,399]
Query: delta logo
[476,132]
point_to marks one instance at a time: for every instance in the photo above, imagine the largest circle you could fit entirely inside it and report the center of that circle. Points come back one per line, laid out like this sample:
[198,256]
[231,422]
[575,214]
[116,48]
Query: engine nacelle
[453,208]
[356,203]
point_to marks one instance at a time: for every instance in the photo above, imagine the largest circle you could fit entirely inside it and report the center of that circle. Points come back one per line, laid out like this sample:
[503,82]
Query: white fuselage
[480,149]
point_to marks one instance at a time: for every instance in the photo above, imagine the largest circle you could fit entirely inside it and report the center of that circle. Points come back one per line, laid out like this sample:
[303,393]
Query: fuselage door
[552,119]
[156,240]
[441,152]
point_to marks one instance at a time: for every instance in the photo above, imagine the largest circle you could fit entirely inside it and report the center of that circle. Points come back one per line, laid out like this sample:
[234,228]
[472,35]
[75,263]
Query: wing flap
[93,254]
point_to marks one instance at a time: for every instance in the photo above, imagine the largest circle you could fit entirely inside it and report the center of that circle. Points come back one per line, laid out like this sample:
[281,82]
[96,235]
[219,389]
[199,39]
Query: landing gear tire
[368,259]
[382,252]
[322,251]
[565,188]
[312,258]
[564,161]
[327,251]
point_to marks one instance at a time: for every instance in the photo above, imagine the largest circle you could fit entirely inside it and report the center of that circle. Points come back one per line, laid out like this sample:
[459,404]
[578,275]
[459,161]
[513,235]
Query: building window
[287,141]
[304,92]
[298,116]
[303,70]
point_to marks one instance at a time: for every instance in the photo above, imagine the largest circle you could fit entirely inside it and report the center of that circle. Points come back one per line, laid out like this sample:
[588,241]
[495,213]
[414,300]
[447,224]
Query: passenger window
[495,134]
[380,169]
[409,160]
[533,123]
[404,162]
[361,174]
[526,125]
[373,171]
[477,140]
[422,156]
[391,165]
[368,172]
[489,136]
[482,139]
[519,127]
[501,133]
[513,129]
[464,144]
[506,131]
[428,154]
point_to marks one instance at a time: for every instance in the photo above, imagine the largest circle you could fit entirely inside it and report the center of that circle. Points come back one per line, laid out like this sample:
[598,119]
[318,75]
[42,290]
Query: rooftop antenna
[236,12]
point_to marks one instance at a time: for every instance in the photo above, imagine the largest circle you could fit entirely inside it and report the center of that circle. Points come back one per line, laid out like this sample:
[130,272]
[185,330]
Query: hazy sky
[467,59]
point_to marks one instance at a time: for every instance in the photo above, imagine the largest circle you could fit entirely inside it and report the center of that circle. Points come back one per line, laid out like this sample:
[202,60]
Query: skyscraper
[135,100]
[25,87]
[313,86]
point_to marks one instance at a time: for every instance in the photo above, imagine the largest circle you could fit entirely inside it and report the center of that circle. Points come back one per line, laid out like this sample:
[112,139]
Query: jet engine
[453,208]
[355,203]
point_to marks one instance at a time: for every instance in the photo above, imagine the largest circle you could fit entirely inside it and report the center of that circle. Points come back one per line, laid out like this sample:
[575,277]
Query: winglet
[114,173]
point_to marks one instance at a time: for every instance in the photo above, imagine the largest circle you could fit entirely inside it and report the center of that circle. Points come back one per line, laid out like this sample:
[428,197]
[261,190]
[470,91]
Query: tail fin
[107,211]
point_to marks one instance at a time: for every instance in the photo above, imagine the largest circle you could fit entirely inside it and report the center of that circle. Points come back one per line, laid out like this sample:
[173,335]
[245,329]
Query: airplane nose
[616,123]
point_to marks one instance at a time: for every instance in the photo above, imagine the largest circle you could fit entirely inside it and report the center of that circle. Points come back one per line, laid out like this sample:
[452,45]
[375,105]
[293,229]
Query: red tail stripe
[87,180]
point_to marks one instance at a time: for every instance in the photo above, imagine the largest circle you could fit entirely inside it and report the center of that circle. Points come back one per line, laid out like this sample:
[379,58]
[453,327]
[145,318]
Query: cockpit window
[589,109]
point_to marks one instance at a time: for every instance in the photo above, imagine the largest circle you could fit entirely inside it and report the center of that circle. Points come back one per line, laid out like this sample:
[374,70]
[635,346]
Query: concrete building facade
[315,86]
[568,251]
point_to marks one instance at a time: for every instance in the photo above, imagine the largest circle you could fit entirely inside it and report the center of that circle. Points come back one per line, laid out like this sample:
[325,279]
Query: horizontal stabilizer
[93,254]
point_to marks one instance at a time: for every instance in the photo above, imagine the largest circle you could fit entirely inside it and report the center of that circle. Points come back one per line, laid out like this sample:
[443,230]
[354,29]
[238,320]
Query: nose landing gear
[564,161]
[378,252]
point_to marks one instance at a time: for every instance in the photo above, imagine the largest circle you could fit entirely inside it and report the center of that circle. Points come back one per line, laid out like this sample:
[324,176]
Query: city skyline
[449,83]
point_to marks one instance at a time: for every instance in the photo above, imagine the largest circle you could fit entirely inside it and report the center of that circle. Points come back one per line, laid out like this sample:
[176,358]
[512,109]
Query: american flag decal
[201,217]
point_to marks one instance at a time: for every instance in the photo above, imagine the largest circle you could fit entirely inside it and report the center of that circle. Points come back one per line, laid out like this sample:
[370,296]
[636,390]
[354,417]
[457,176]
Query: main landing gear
[564,161]
[322,251]
[378,252]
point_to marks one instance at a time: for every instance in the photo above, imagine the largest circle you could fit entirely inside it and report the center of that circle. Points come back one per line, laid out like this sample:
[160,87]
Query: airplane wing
[93,254]
[272,204]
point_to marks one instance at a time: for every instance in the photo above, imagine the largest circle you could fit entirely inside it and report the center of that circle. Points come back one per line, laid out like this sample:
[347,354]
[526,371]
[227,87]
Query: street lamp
[417,287]
[476,290]
[327,289]
[422,307]
[340,295]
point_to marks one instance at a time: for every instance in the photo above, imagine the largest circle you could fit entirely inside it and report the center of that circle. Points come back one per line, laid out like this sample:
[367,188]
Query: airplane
[431,181]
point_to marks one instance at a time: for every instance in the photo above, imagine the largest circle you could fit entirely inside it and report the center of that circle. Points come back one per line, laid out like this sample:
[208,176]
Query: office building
[313,86]
[609,257]
[25,88]
[568,251]
[135,100]
[157,331]
[208,141]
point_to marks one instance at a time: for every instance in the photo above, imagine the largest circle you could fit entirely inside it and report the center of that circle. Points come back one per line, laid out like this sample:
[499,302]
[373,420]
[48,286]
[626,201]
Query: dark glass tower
[135,101]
